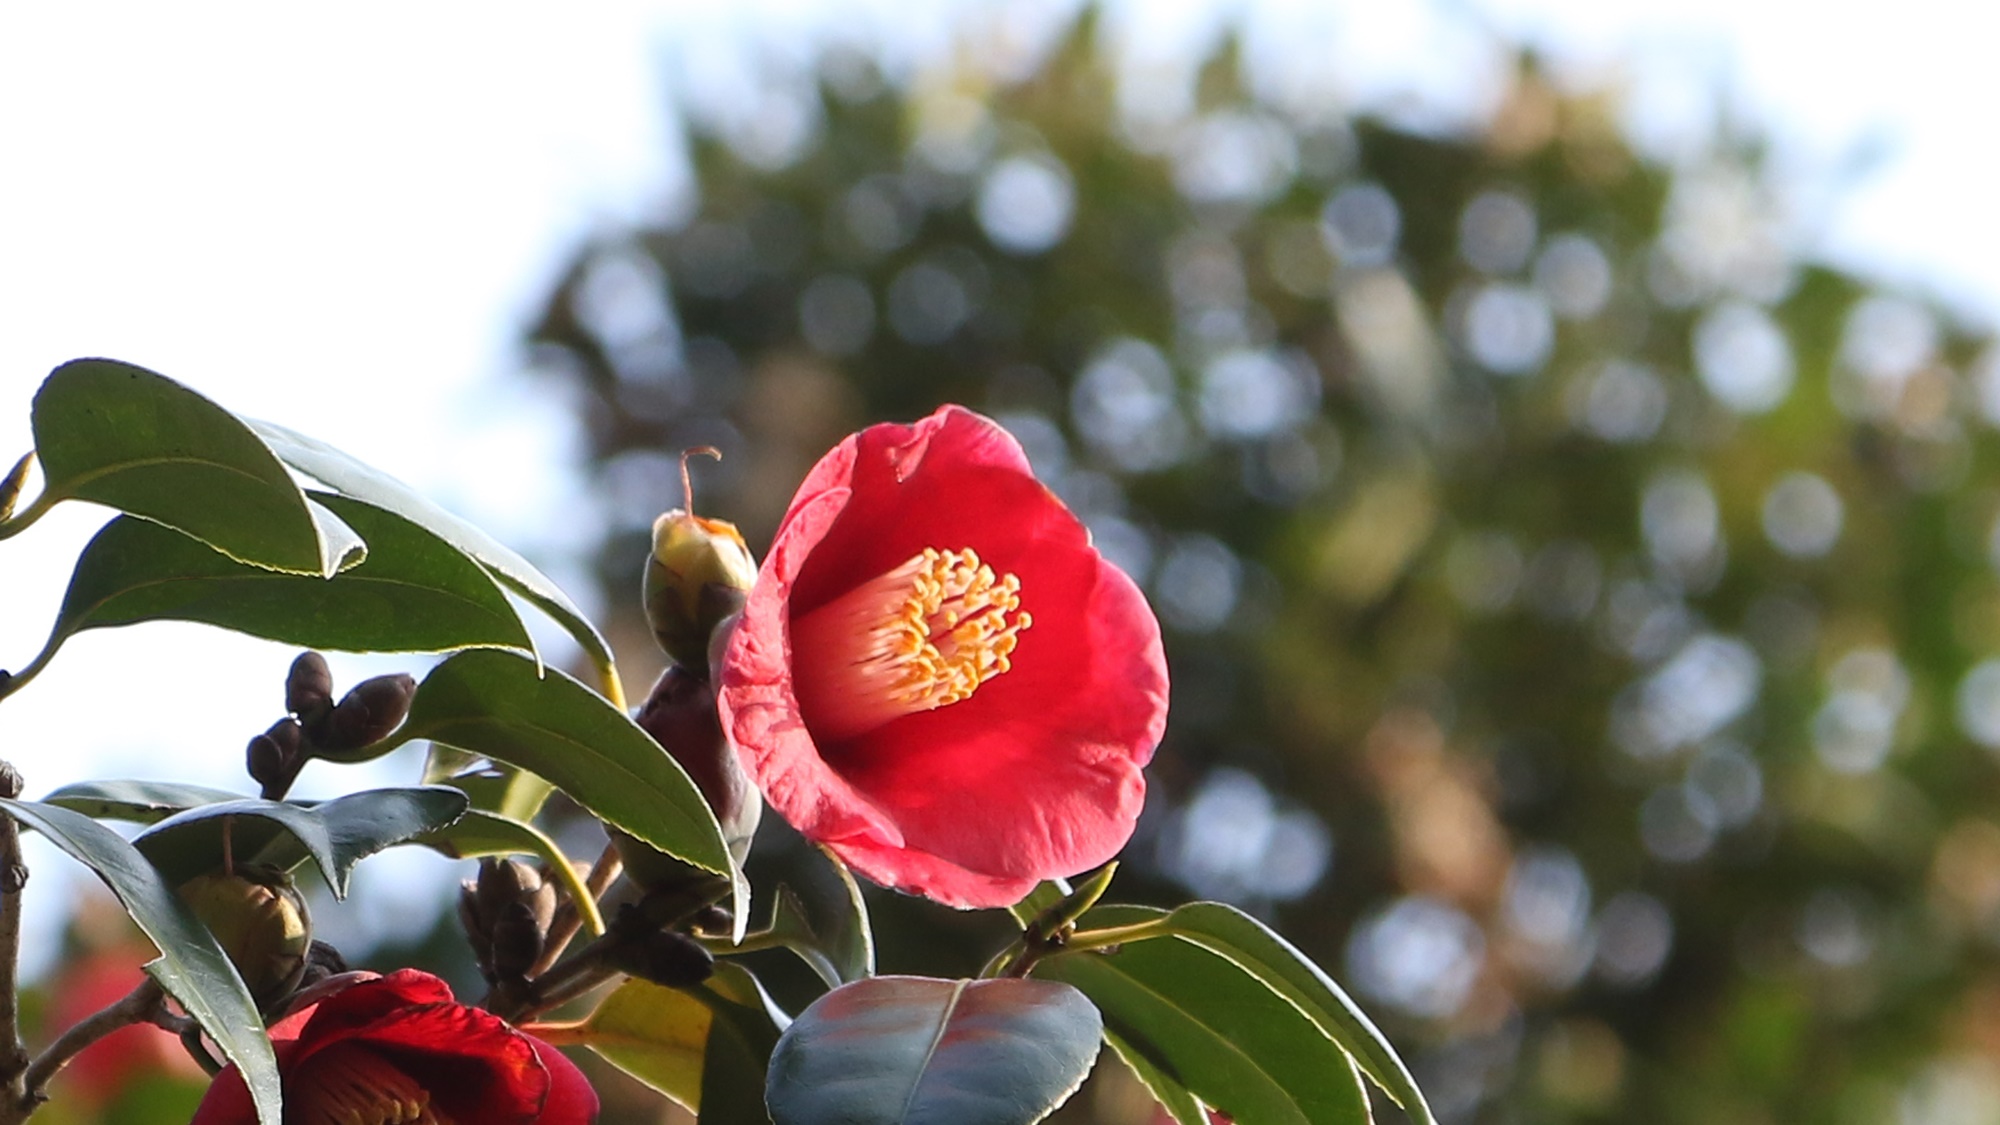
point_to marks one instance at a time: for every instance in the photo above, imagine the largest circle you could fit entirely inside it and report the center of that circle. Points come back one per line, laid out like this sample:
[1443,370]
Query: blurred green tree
[1581,610]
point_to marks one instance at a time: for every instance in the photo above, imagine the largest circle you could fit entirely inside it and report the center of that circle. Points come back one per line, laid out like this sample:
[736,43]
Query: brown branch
[138,1006]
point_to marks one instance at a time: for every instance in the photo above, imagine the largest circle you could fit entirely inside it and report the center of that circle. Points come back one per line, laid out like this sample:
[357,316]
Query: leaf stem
[11,682]
[720,945]
[26,517]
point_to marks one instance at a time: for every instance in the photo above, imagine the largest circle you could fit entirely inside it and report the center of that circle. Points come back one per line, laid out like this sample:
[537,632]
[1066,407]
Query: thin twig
[137,1006]
[568,920]
[13,877]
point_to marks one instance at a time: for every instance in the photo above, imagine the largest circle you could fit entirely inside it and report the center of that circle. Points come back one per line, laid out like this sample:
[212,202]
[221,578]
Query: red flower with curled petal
[398,1050]
[937,676]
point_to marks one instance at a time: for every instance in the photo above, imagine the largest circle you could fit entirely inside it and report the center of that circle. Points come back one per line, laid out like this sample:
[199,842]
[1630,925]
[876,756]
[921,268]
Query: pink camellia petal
[1037,772]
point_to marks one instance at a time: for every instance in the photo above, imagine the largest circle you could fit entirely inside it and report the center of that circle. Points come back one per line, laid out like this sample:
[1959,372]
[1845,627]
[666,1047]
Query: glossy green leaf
[1267,956]
[335,835]
[482,833]
[508,790]
[916,1051]
[493,704]
[1181,1103]
[824,920]
[704,1047]
[347,475]
[1185,1015]
[414,593]
[141,802]
[125,437]
[191,967]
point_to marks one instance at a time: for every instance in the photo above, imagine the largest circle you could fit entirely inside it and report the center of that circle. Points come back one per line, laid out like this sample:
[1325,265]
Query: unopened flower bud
[700,571]
[259,919]
[309,687]
[365,716]
[272,758]
[668,958]
[680,714]
[506,912]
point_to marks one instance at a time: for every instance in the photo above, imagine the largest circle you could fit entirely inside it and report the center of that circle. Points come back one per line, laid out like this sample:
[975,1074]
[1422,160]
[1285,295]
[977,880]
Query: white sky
[342,222]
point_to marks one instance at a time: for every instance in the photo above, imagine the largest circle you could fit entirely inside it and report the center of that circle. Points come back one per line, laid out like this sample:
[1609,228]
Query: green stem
[11,682]
[607,677]
[26,517]
[751,943]
[1087,940]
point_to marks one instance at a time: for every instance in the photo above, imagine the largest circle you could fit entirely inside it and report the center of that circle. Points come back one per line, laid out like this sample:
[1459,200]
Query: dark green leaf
[1188,1016]
[335,835]
[494,704]
[825,921]
[343,473]
[125,437]
[1253,947]
[142,802]
[916,1051]
[191,967]
[414,592]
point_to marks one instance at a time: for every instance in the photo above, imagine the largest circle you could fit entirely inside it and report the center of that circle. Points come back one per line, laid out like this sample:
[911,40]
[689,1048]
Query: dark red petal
[366,1001]
[571,1099]
[476,1067]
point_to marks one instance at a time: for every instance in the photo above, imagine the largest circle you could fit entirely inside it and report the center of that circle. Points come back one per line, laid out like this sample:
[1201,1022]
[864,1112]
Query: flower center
[351,1085]
[921,636]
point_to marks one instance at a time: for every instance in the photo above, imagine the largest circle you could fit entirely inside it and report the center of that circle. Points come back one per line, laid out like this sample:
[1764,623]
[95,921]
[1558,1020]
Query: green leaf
[825,922]
[493,704]
[191,967]
[345,474]
[482,833]
[916,1051]
[125,437]
[142,802]
[1187,1017]
[1264,954]
[413,594]
[335,835]
[513,793]
[704,1047]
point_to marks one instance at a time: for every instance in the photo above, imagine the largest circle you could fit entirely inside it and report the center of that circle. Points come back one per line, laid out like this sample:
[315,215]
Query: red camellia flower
[398,1050]
[937,676]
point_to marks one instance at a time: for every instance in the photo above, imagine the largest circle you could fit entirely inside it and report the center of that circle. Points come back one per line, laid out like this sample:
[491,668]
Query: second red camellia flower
[399,1049]
[937,676]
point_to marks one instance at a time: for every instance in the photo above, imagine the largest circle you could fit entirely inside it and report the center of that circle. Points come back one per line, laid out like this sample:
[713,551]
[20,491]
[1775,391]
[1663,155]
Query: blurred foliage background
[1581,612]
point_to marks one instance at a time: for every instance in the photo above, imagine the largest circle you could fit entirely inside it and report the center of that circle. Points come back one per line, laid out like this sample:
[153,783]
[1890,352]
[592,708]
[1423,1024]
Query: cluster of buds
[507,911]
[319,727]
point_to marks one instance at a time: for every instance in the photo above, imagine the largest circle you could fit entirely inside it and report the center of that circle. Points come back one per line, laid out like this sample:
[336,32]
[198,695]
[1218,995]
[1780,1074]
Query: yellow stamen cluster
[347,1086]
[922,636]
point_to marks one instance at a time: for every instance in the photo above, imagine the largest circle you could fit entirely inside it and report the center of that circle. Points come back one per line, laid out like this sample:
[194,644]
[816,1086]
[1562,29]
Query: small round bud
[364,717]
[668,958]
[700,572]
[309,687]
[260,921]
[517,942]
[272,758]
[11,781]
